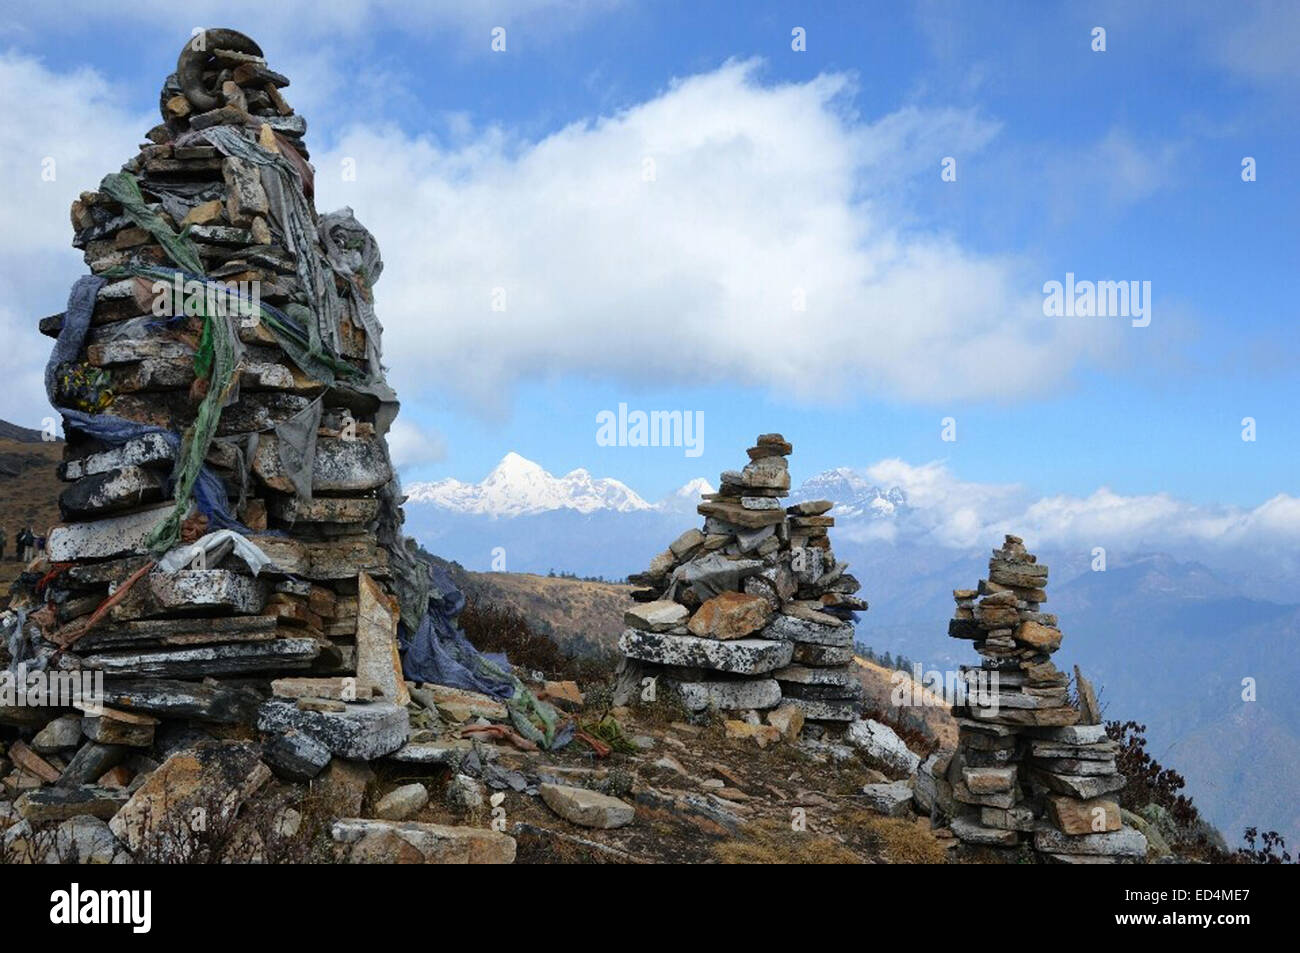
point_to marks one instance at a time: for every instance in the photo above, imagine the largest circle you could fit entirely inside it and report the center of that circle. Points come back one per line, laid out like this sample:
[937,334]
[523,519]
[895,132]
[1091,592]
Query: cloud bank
[723,232]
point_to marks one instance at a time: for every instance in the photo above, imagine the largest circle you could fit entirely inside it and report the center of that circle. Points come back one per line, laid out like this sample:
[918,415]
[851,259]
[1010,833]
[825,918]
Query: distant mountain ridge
[517,486]
[20,434]
[853,495]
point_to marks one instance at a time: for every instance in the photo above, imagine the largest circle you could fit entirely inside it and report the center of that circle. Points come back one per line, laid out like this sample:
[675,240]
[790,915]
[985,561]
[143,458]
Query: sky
[680,211]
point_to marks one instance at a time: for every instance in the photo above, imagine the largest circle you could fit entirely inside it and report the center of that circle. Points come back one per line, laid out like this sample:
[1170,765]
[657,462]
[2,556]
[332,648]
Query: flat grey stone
[57,803]
[657,616]
[296,756]
[587,808]
[201,661]
[1079,786]
[973,832]
[759,693]
[748,656]
[805,675]
[384,842]
[1125,842]
[362,732]
[401,802]
[434,752]
[161,593]
[1071,734]
[105,538]
[151,450]
[222,704]
[825,709]
[790,629]
[822,655]
[340,466]
[1100,751]
[893,799]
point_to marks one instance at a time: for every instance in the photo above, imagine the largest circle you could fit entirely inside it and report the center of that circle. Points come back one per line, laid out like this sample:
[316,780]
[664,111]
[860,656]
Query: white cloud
[76,122]
[411,445]
[759,190]
[950,512]
[1257,40]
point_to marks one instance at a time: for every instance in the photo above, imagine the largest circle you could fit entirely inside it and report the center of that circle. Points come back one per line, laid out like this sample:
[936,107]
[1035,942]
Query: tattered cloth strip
[178,199]
[295,219]
[296,446]
[297,435]
[23,649]
[218,360]
[289,331]
[214,547]
[123,187]
[353,253]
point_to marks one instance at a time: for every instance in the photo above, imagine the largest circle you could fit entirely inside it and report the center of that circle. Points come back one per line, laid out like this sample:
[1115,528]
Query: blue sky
[775,168]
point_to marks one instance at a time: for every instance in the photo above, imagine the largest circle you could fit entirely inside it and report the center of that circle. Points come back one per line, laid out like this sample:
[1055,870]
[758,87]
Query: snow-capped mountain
[852,495]
[685,498]
[518,486]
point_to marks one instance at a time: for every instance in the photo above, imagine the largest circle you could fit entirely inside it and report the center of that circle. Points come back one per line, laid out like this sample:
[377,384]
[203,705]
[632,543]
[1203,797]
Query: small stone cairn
[752,613]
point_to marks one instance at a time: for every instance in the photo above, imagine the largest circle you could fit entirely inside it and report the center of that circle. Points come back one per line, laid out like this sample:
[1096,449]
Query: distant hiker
[25,540]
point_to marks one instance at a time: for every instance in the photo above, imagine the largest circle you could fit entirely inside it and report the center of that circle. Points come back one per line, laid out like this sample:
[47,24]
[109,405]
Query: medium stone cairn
[1029,764]
[752,612]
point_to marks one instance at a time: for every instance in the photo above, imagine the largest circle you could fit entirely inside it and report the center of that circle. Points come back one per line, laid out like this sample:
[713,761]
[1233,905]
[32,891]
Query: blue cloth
[209,491]
[438,651]
[76,323]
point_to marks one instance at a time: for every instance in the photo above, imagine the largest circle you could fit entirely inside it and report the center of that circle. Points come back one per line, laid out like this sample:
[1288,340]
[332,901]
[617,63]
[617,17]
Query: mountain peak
[513,463]
[852,494]
[518,486]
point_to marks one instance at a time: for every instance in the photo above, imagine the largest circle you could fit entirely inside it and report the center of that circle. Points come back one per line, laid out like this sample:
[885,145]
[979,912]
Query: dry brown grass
[773,842]
[583,617]
[896,840]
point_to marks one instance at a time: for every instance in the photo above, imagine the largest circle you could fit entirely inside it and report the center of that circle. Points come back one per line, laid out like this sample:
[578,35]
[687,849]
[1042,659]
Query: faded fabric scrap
[214,547]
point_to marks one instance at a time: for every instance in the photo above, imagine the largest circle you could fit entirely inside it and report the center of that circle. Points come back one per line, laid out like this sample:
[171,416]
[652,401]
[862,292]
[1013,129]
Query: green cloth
[123,187]
[219,352]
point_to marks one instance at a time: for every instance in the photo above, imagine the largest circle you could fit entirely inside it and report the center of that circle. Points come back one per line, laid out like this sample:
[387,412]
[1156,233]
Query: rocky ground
[642,785]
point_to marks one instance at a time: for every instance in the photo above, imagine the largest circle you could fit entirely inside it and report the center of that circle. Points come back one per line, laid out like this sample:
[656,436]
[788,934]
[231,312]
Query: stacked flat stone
[1029,764]
[316,629]
[752,611]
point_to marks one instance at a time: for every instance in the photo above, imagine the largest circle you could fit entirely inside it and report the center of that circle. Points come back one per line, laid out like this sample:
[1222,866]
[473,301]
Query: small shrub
[1266,848]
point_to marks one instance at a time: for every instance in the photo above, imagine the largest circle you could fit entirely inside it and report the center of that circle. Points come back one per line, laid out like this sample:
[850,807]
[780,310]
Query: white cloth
[214,547]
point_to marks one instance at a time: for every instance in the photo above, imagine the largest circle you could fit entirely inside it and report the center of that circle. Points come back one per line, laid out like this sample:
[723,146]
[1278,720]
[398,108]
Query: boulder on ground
[882,743]
[368,841]
[587,808]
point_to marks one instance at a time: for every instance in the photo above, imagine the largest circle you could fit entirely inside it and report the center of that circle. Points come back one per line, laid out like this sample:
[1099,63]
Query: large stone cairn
[306,647]
[1029,764]
[752,612]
